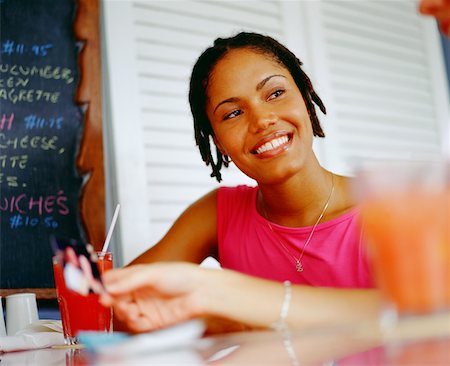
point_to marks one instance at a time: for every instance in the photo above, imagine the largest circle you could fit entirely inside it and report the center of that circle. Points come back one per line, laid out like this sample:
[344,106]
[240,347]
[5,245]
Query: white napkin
[40,334]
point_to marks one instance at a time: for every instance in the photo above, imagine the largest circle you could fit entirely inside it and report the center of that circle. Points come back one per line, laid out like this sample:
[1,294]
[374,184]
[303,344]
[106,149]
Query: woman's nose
[261,120]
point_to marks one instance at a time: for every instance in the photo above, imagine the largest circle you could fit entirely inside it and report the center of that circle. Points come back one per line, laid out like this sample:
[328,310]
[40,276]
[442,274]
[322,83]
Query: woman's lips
[272,145]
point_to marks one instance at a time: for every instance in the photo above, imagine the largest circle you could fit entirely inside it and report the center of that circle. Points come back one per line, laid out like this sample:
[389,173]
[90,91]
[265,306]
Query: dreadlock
[199,84]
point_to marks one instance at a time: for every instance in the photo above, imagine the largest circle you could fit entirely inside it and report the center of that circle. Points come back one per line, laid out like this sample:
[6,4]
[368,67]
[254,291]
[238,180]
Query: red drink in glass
[81,312]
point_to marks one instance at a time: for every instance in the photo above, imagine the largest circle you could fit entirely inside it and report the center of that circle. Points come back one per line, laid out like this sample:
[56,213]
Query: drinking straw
[111,229]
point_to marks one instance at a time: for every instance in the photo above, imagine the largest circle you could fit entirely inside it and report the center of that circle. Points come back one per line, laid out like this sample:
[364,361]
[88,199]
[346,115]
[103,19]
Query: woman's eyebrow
[229,100]
[263,82]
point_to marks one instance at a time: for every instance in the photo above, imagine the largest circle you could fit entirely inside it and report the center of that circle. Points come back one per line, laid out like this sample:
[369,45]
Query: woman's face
[259,116]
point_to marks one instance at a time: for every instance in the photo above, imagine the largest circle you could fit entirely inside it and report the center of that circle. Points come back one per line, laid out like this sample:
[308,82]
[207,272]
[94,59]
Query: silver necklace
[298,261]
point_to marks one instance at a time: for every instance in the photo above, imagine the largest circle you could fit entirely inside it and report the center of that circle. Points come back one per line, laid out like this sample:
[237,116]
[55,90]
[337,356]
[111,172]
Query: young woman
[249,95]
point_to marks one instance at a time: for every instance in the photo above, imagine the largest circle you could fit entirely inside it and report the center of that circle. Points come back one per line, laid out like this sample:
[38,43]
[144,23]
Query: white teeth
[270,145]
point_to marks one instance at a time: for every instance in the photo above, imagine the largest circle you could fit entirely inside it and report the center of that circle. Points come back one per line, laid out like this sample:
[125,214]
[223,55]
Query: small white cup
[21,310]
[2,320]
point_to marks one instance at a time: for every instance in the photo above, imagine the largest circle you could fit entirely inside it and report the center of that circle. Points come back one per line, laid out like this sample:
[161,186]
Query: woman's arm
[149,297]
[258,302]
[191,238]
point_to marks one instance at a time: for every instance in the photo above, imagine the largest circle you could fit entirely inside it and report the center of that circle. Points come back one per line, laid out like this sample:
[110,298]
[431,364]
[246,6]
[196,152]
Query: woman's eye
[233,114]
[276,94]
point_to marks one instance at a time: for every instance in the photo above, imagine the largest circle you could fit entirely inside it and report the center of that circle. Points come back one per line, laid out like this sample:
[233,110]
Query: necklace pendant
[299,267]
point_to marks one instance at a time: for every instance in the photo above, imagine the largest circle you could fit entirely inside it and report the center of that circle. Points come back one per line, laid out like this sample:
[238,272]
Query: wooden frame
[90,159]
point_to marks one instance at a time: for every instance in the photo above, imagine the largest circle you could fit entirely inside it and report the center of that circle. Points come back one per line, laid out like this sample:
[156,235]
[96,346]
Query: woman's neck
[299,200]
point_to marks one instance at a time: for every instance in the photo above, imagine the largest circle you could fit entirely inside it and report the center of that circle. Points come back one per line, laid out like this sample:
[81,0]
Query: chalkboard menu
[40,131]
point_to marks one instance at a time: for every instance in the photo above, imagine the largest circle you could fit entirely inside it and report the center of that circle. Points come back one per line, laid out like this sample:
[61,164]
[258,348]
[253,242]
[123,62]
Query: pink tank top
[334,257]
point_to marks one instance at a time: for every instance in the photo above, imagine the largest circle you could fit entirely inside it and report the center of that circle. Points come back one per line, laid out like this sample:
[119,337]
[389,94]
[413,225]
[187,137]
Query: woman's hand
[148,297]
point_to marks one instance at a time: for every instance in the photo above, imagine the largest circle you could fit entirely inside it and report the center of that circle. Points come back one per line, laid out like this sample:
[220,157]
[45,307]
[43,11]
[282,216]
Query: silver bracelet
[281,323]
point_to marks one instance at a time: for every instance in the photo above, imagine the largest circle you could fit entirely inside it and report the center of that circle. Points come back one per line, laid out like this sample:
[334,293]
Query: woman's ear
[219,146]
[227,158]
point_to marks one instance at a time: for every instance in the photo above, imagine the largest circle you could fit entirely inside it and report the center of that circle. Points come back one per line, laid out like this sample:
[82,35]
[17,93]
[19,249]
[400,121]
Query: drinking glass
[405,217]
[80,312]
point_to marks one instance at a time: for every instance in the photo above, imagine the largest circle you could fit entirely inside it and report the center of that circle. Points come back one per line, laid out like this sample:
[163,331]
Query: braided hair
[199,84]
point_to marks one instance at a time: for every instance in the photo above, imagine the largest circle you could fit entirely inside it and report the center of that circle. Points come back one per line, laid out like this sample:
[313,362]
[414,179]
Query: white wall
[376,64]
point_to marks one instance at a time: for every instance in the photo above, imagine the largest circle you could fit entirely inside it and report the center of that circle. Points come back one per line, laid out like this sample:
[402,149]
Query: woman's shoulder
[225,194]
[344,203]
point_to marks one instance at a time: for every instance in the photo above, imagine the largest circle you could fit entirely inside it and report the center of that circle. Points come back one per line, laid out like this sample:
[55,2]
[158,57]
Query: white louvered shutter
[383,73]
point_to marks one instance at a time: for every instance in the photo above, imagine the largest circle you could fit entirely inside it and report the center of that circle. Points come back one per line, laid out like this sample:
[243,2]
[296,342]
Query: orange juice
[79,312]
[408,237]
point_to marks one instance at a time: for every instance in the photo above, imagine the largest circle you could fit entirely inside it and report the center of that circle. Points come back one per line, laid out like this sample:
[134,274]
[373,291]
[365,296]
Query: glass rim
[101,254]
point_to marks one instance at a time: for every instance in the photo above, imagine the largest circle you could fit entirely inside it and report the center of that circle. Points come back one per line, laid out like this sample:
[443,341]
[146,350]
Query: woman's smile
[272,145]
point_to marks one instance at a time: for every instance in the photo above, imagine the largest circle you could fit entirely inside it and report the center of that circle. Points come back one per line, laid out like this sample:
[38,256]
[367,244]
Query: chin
[279,176]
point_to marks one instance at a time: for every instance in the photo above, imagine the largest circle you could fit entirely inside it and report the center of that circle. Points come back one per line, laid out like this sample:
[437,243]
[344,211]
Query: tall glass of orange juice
[405,216]
[81,311]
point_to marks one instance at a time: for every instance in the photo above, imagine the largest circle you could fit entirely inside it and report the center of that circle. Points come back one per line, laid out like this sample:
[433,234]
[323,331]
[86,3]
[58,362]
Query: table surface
[412,341]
